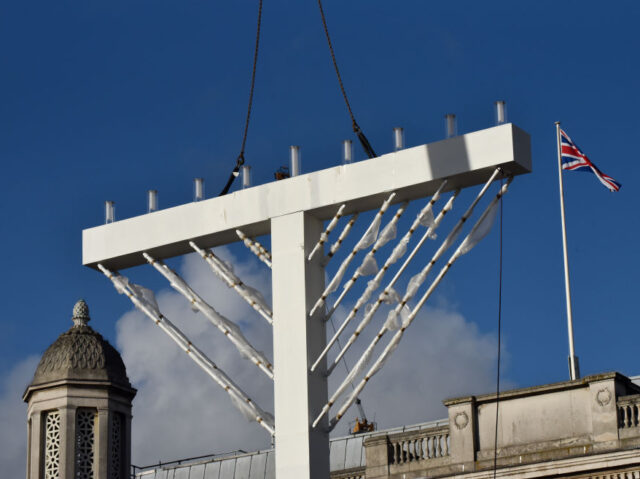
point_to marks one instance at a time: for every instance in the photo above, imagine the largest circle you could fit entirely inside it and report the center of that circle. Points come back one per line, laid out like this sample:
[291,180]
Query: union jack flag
[574,159]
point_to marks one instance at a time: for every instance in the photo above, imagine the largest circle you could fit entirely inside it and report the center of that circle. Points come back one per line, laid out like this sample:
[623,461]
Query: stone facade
[79,408]
[588,428]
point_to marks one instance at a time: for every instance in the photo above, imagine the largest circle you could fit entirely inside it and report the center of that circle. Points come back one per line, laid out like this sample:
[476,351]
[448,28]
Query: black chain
[363,139]
[240,159]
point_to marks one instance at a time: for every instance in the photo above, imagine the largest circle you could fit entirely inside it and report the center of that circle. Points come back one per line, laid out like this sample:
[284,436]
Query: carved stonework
[603,397]
[461,420]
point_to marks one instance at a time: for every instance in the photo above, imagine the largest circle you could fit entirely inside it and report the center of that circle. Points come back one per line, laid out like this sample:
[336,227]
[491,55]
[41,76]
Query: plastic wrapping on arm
[143,302]
[391,347]
[391,296]
[392,323]
[388,233]
[370,235]
[343,234]
[426,217]
[225,272]
[324,236]
[362,363]
[147,296]
[226,326]
[368,267]
[451,238]
[337,278]
[414,284]
[395,320]
[398,251]
[244,407]
[372,285]
[481,231]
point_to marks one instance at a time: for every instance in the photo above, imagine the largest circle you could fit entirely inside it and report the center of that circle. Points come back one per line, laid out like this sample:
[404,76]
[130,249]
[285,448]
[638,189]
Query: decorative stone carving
[603,397]
[85,443]
[81,353]
[461,420]
[79,413]
[52,445]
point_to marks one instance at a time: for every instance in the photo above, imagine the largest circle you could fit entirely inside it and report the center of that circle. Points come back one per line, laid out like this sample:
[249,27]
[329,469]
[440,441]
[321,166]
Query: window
[116,442]
[85,443]
[52,445]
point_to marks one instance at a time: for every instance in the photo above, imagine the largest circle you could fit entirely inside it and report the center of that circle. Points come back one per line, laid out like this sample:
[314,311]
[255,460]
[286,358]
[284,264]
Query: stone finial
[81,313]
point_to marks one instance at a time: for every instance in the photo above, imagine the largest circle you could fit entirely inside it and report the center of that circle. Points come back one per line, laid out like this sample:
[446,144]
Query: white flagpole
[574,369]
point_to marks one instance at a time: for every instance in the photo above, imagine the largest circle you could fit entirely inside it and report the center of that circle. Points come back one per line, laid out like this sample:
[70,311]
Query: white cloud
[13,418]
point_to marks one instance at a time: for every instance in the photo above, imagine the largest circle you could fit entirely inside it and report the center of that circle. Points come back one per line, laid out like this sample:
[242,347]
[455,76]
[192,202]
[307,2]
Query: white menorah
[294,212]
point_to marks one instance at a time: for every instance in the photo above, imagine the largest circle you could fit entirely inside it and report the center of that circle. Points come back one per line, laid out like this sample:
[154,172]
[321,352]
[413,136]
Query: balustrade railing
[416,446]
[629,411]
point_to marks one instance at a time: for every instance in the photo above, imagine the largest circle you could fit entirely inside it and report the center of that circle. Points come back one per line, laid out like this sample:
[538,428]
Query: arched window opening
[52,445]
[85,443]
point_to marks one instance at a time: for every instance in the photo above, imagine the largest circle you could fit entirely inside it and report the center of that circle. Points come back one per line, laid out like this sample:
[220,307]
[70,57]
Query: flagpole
[574,369]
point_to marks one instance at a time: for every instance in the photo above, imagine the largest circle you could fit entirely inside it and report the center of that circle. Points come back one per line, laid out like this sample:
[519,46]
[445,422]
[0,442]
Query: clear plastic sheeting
[479,229]
[145,295]
[256,248]
[367,239]
[343,234]
[370,235]
[225,272]
[391,296]
[355,372]
[398,251]
[451,238]
[370,311]
[368,267]
[226,326]
[388,233]
[324,236]
[377,366]
[426,217]
[414,284]
[395,320]
[337,279]
[243,407]
[483,230]
[392,323]
[134,294]
[372,285]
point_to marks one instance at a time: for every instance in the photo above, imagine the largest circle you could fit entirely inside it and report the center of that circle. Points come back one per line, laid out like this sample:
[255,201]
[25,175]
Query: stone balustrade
[419,446]
[628,411]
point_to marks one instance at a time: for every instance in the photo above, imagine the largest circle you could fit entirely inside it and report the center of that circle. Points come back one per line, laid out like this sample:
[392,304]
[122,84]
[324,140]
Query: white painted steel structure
[293,212]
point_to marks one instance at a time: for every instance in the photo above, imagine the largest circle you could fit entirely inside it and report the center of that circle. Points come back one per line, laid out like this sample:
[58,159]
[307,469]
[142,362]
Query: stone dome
[81,354]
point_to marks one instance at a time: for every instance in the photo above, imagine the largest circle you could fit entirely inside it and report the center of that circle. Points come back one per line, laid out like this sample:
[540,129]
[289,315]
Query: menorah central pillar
[302,452]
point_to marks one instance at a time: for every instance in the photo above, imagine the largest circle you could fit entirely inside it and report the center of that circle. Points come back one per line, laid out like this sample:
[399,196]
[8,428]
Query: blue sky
[105,101]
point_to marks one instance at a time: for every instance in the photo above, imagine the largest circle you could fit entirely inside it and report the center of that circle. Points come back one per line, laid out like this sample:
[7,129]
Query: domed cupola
[79,407]
[81,354]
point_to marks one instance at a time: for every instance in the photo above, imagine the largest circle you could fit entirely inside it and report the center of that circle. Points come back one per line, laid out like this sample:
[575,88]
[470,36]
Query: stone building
[587,429]
[79,408]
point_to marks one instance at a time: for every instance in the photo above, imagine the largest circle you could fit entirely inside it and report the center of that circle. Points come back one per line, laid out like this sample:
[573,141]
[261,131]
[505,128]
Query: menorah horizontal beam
[411,173]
